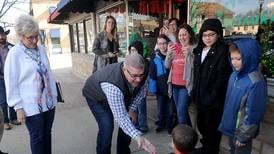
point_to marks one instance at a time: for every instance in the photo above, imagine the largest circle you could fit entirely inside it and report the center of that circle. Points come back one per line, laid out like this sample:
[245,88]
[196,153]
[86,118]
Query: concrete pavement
[75,129]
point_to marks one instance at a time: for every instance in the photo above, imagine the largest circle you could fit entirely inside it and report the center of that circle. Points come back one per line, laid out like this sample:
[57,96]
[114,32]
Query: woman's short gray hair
[135,60]
[25,24]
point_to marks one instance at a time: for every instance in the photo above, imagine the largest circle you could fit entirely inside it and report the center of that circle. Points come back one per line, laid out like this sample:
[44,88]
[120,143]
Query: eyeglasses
[134,76]
[210,35]
[31,38]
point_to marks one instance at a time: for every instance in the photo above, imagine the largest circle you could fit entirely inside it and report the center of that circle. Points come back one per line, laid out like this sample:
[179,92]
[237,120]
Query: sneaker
[7,126]
[15,122]
[159,129]
[169,131]
[143,130]
[3,152]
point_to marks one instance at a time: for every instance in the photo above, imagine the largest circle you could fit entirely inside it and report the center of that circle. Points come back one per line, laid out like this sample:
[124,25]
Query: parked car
[232,38]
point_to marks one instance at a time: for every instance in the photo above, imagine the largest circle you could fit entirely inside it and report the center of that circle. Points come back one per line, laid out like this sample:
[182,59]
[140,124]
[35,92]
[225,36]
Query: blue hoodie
[246,95]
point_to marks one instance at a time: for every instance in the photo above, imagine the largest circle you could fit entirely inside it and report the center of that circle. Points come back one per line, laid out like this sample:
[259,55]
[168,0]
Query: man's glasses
[134,76]
[210,35]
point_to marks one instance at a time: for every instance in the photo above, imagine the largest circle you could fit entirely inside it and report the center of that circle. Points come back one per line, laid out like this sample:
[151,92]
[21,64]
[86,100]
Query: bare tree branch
[3,5]
[6,5]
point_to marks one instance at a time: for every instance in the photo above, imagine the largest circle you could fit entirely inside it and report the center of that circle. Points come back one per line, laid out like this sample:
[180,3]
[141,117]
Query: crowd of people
[221,81]
[205,72]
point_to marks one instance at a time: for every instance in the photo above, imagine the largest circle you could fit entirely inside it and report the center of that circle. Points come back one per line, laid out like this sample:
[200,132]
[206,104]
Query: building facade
[54,37]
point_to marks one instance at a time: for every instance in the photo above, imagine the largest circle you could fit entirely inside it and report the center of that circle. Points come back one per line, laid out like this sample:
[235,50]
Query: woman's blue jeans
[182,101]
[39,127]
[104,118]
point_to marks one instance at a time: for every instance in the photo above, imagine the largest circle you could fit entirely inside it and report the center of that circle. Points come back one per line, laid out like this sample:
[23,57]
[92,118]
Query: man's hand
[111,55]
[133,116]
[145,144]
[21,116]
[239,144]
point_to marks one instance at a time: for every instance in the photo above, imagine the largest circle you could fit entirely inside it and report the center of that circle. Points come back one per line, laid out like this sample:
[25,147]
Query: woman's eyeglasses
[210,35]
[31,38]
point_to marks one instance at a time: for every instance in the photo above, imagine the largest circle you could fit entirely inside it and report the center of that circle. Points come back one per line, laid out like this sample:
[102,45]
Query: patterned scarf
[42,77]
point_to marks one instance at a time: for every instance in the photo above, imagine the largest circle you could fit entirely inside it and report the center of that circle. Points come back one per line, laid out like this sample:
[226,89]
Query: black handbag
[60,97]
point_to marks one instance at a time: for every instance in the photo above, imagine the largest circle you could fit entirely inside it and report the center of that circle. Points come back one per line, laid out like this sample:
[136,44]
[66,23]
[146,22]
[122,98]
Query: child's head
[184,138]
[162,42]
[211,31]
[136,46]
[245,55]
[235,56]
[173,25]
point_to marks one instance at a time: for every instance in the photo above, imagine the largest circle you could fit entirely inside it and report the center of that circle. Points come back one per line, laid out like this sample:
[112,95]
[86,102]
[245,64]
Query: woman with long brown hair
[106,45]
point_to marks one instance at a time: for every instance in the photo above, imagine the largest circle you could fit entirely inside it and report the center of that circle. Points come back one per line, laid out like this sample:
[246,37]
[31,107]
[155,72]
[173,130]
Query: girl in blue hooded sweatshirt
[246,97]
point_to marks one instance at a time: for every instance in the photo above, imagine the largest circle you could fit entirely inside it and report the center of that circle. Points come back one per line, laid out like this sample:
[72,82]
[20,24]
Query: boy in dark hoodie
[246,97]
[211,73]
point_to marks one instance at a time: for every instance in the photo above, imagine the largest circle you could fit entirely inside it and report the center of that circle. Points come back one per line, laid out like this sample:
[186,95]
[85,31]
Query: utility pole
[30,8]
[261,2]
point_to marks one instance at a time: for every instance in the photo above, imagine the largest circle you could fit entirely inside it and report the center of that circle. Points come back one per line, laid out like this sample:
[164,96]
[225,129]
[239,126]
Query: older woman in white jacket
[30,85]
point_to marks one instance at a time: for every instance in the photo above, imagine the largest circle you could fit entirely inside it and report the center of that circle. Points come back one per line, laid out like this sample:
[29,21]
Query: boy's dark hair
[138,45]
[184,137]
[233,48]
[163,36]
[173,19]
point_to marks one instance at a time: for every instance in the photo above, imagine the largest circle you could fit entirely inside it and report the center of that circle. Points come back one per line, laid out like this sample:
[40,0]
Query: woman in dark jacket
[106,45]
[211,73]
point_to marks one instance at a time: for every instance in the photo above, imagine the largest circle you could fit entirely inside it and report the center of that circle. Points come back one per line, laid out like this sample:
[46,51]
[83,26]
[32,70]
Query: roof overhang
[65,7]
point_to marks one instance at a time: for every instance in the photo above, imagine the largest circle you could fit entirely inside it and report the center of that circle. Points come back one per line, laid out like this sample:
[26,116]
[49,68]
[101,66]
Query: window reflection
[235,19]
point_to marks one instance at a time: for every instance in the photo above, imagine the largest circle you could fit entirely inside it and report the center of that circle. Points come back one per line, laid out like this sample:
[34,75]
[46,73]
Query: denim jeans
[239,150]
[164,112]
[1,124]
[8,115]
[105,123]
[182,101]
[39,127]
[142,115]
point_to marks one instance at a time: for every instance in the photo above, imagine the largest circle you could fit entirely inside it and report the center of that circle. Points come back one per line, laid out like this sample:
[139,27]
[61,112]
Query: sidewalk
[75,129]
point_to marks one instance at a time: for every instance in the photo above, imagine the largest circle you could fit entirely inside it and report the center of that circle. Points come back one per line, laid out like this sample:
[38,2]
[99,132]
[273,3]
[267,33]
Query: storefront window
[144,23]
[75,37]
[236,15]
[119,14]
[81,37]
[89,34]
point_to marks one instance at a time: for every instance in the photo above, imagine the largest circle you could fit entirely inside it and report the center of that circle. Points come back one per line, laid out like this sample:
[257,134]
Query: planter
[270,87]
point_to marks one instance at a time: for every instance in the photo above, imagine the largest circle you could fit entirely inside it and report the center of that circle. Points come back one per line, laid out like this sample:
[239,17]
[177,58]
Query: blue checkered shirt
[116,103]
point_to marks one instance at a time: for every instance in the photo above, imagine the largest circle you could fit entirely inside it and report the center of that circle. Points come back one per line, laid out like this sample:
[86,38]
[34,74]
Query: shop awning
[64,7]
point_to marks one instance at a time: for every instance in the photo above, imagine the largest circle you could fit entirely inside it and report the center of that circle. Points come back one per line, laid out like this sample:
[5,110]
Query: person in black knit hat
[211,73]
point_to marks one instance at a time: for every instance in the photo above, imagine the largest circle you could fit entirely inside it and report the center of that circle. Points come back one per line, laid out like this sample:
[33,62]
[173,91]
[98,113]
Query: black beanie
[138,45]
[213,25]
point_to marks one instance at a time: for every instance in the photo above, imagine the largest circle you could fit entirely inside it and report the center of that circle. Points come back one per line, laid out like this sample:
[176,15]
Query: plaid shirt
[116,103]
